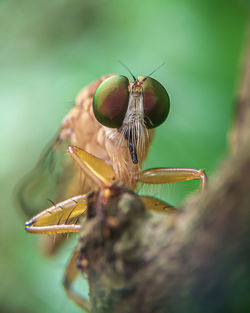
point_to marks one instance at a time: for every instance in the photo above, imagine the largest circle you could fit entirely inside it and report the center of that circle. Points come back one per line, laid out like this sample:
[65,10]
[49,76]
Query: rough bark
[196,259]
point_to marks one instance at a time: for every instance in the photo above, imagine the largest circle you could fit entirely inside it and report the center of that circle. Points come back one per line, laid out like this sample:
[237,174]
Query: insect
[113,119]
[117,127]
[109,131]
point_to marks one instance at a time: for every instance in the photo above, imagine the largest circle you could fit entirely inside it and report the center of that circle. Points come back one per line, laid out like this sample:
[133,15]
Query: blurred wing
[55,177]
[155,204]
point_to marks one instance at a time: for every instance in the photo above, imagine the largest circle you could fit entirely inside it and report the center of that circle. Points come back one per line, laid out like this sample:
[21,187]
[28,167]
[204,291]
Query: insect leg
[60,218]
[70,275]
[96,169]
[53,229]
[167,175]
[155,204]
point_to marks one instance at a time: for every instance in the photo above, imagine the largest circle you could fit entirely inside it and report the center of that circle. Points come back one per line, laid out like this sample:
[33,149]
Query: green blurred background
[51,49]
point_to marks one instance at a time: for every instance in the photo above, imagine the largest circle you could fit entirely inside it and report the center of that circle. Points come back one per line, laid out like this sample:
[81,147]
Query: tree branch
[193,260]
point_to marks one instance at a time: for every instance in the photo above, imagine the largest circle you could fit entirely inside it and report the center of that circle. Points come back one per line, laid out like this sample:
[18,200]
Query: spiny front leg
[60,218]
[168,175]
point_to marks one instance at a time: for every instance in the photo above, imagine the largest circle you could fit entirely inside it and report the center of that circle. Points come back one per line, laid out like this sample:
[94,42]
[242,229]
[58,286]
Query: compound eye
[110,101]
[156,103]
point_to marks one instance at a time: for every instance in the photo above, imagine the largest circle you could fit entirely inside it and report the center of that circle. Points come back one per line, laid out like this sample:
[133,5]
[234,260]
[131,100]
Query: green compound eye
[156,102]
[110,101]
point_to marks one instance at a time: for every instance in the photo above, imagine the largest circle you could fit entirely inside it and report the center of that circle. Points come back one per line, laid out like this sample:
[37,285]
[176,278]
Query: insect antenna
[153,71]
[127,70]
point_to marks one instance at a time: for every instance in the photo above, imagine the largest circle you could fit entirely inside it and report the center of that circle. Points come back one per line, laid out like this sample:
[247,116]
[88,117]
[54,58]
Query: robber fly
[109,131]
[113,120]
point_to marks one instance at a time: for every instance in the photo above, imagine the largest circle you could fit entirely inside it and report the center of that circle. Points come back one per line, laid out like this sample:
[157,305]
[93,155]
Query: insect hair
[127,68]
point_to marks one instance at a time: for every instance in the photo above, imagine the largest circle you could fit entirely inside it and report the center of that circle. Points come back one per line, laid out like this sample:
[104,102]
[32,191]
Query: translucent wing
[55,176]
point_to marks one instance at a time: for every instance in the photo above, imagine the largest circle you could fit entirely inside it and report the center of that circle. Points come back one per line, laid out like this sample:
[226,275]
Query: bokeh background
[49,50]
